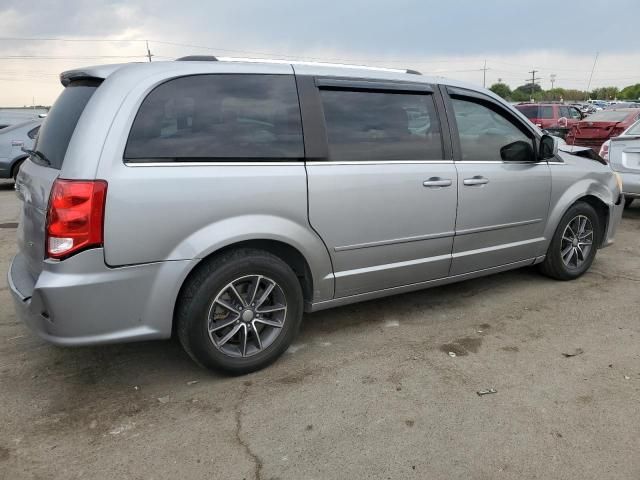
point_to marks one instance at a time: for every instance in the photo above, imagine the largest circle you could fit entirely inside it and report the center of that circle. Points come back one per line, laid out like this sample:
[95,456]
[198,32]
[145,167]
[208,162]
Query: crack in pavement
[256,460]
[612,277]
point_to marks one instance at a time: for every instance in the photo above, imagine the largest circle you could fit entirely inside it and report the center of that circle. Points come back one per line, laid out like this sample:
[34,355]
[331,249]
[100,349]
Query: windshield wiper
[39,155]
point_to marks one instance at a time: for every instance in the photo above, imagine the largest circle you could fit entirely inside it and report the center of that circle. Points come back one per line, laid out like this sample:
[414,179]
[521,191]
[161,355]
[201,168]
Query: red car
[556,118]
[596,129]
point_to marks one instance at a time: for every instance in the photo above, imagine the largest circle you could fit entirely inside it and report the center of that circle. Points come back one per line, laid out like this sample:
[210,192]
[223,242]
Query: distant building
[12,116]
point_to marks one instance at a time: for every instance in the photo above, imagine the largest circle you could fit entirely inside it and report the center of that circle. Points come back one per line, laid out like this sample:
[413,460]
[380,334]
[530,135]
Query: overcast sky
[448,38]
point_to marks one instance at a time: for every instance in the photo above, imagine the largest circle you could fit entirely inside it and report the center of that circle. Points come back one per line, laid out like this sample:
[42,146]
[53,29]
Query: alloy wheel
[246,316]
[577,242]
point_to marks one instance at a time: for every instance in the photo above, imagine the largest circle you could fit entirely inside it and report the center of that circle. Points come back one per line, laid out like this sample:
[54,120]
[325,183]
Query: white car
[623,154]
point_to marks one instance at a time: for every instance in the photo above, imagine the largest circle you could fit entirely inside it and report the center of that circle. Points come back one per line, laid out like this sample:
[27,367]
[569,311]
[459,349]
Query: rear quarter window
[58,127]
[224,116]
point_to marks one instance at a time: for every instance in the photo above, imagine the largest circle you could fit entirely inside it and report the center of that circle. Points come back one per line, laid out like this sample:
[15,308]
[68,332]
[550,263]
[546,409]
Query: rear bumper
[81,301]
[615,215]
[630,184]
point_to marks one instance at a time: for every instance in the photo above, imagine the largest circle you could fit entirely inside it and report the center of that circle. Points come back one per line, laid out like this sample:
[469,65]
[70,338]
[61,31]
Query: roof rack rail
[197,58]
[413,72]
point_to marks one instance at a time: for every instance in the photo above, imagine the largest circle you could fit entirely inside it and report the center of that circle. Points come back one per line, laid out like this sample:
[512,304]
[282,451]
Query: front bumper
[81,301]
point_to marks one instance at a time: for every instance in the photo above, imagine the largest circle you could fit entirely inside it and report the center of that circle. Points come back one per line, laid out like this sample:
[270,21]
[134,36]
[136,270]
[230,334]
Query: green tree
[501,89]
[523,92]
[632,92]
[605,93]
[554,94]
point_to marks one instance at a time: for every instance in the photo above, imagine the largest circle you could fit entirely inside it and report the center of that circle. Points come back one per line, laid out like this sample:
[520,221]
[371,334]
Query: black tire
[628,202]
[16,169]
[196,302]
[553,265]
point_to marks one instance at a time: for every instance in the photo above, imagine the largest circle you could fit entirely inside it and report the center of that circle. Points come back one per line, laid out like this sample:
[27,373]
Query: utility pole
[591,76]
[484,74]
[148,51]
[533,81]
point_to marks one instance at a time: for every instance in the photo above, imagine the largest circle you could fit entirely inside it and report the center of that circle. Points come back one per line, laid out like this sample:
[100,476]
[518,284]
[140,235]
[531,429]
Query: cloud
[451,38]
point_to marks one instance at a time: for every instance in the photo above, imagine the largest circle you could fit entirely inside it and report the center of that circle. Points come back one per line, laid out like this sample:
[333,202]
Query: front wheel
[574,243]
[239,311]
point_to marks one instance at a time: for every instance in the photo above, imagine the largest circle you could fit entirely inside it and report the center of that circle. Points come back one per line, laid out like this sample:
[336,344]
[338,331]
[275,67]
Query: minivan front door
[502,205]
[384,198]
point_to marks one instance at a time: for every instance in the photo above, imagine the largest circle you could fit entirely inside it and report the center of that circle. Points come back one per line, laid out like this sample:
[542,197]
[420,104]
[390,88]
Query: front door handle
[477,180]
[437,182]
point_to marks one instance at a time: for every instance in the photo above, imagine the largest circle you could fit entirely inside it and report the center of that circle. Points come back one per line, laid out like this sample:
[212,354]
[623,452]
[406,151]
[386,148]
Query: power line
[51,57]
[28,39]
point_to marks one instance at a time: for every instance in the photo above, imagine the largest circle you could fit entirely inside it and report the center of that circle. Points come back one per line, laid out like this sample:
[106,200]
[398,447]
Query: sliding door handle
[437,182]
[477,180]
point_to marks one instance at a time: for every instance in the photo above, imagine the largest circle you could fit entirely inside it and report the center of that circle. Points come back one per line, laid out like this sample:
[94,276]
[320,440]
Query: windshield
[58,126]
[608,116]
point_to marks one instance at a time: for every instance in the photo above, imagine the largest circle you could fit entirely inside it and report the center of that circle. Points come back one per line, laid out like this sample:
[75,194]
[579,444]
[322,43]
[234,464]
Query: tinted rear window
[57,128]
[366,126]
[529,111]
[536,111]
[546,112]
[608,116]
[208,117]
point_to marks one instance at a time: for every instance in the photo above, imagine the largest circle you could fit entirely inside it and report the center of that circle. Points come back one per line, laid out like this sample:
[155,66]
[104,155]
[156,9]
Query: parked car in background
[619,105]
[12,140]
[596,129]
[599,104]
[218,200]
[557,119]
[623,154]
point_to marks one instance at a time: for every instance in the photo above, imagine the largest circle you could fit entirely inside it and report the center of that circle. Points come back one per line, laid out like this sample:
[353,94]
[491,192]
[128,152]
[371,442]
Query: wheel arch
[601,209]
[15,164]
[593,193]
[283,250]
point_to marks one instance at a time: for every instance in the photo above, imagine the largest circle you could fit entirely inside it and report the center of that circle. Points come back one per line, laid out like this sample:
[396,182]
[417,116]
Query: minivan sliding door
[382,184]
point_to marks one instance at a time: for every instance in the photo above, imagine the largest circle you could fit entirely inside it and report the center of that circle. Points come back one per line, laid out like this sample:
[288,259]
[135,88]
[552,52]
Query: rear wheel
[628,202]
[574,243]
[240,311]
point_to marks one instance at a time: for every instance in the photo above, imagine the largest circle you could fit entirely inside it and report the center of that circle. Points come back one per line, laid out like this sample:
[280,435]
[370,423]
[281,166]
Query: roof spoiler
[197,58]
[74,75]
[95,73]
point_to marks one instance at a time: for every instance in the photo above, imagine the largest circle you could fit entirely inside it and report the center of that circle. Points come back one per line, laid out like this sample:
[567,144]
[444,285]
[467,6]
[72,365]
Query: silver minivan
[219,200]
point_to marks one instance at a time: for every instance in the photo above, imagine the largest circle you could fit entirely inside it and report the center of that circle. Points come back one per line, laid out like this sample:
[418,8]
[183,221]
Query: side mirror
[548,147]
[518,152]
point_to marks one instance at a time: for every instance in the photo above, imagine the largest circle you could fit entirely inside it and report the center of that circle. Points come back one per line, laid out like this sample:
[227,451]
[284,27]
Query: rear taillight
[75,216]
[604,151]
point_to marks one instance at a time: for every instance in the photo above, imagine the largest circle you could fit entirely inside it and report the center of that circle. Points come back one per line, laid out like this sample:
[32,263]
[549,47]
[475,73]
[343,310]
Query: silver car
[623,153]
[12,141]
[219,200]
